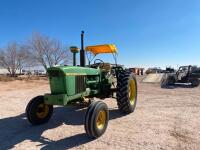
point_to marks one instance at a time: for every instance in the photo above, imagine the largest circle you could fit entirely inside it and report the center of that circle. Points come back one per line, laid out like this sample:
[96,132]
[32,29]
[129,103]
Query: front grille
[80,84]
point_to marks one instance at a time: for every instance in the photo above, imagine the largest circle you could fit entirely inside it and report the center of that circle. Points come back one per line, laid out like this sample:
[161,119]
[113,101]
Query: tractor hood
[73,70]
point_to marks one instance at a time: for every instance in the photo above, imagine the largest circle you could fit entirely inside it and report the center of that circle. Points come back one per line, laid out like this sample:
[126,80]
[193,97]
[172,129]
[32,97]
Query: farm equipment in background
[169,70]
[184,75]
[70,84]
[154,70]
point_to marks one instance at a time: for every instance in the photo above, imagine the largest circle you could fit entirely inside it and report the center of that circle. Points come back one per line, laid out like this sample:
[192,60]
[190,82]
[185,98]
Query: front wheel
[168,81]
[96,119]
[38,112]
[194,82]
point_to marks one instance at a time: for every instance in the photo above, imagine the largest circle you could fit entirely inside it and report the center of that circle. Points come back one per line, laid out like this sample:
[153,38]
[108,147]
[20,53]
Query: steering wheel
[98,63]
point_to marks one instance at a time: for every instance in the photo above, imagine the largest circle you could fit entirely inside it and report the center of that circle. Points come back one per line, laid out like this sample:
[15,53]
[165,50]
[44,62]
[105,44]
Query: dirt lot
[163,119]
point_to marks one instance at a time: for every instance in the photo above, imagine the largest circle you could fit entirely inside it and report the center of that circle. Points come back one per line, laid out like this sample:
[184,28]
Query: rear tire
[38,112]
[96,119]
[126,92]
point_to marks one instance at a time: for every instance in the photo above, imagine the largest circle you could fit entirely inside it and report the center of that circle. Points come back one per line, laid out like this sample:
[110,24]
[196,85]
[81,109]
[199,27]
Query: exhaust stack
[82,52]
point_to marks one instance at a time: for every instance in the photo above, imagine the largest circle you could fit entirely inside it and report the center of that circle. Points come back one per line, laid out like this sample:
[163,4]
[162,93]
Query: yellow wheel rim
[42,111]
[101,119]
[132,91]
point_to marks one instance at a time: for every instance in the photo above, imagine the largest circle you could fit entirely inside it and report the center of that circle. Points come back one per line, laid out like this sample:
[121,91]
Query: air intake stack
[74,50]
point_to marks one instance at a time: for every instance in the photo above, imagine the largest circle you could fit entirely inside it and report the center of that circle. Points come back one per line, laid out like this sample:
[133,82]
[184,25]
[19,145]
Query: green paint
[70,85]
[63,83]
[63,99]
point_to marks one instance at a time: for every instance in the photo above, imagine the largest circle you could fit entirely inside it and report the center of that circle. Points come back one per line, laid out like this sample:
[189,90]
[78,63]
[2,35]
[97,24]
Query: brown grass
[4,78]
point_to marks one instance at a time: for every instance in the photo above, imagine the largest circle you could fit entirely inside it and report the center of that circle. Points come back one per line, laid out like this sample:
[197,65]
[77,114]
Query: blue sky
[146,32]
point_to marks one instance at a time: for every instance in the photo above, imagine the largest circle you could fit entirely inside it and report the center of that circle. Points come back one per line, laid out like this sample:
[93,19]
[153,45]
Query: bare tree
[48,52]
[12,58]
[23,57]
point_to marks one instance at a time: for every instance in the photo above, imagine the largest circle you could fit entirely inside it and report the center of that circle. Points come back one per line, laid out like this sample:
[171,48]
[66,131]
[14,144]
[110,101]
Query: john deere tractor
[99,80]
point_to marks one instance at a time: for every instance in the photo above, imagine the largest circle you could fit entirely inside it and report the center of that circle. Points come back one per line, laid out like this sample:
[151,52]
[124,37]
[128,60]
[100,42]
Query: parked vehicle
[185,74]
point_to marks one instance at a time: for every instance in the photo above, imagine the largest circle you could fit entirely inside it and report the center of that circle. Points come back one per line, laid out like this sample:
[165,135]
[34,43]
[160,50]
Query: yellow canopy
[98,49]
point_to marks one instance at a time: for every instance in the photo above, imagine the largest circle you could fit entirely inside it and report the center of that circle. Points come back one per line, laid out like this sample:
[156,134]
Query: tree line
[39,50]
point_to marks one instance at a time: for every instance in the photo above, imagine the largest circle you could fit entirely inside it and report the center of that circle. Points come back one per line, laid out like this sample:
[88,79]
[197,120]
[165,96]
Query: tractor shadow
[14,130]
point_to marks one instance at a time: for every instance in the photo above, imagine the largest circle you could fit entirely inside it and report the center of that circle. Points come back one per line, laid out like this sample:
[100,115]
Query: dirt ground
[163,119]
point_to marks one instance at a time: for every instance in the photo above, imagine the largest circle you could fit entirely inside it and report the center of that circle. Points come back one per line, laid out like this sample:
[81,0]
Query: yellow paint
[132,91]
[42,111]
[101,119]
[75,74]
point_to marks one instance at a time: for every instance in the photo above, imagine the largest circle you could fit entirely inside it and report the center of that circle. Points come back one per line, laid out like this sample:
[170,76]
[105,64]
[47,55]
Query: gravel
[163,119]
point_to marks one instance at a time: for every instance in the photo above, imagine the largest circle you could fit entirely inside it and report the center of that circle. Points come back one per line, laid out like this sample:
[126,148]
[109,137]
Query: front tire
[126,92]
[38,112]
[194,82]
[168,81]
[96,119]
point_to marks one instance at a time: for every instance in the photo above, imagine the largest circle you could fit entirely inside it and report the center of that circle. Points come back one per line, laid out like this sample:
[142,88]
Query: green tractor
[70,84]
